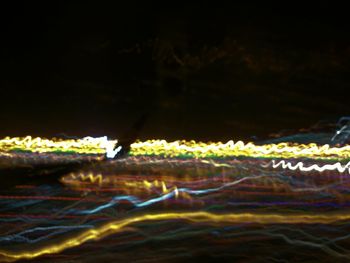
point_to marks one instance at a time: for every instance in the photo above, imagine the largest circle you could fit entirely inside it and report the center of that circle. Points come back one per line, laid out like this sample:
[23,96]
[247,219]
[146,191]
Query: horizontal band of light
[202,150]
[102,145]
[87,145]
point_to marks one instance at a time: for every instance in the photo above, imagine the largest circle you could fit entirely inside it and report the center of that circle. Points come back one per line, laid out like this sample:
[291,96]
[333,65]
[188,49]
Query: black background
[204,71]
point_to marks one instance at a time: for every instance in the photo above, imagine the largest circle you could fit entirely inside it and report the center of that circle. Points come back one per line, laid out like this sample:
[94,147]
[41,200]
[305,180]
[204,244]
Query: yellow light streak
[78,179]
[194,217]
[229,149]
[87,145]
[102,145]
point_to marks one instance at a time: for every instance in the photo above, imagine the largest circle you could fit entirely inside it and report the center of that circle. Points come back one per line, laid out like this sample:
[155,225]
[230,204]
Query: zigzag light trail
[314,167]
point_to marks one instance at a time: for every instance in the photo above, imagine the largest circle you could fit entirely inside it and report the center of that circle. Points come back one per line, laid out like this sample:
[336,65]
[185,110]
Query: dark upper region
[207,72]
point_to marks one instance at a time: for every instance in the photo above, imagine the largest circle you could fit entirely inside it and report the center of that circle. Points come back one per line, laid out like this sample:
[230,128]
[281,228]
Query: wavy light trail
[314,167]
[198,217]
[168,194]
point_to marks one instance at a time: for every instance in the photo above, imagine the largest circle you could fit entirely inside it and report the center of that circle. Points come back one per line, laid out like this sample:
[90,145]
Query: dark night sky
[201,71]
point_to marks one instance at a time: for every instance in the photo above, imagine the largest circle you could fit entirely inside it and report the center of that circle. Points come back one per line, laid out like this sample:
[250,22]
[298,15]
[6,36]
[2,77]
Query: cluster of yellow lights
[218,149]
[195,217]
[87,145]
